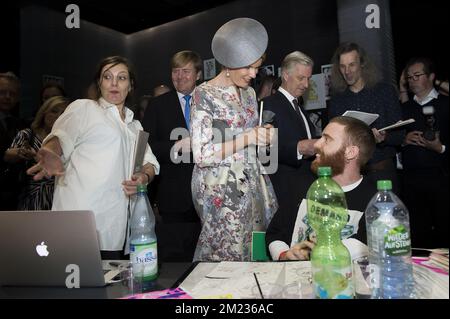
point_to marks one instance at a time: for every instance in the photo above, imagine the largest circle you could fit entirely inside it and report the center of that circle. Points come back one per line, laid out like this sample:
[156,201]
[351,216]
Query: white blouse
[97,154]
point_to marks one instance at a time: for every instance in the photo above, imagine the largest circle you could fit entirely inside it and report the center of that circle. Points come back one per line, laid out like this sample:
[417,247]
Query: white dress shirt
[183,101]
[97,150]
[291,98]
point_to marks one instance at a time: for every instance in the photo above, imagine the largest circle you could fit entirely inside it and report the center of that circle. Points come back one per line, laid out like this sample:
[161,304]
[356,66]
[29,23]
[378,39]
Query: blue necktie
[187,109]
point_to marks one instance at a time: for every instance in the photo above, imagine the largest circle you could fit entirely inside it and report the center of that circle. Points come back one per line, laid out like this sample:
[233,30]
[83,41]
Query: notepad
[139,151]
[367,118]
[398,124]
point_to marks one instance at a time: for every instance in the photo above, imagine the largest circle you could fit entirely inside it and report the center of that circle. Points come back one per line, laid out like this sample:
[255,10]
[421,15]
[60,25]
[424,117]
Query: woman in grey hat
[231,195]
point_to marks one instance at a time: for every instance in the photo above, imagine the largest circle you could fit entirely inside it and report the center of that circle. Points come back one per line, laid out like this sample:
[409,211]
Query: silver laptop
[50,248]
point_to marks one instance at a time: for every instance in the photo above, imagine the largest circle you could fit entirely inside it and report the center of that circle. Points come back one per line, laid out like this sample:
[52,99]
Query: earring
[227,74]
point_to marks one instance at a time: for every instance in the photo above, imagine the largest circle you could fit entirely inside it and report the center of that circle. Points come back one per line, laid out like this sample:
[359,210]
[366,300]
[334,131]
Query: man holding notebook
[356,86]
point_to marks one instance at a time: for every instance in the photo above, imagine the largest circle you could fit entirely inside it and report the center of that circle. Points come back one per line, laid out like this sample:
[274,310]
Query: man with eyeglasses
[356,85]
[425,158]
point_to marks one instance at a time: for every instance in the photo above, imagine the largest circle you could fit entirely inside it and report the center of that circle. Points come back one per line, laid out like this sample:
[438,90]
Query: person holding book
[356,85]
[89,150]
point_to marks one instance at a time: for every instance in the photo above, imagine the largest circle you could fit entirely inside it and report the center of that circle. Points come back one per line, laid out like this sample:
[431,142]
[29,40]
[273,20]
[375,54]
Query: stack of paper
[439,257]
[430,283]
[237,280]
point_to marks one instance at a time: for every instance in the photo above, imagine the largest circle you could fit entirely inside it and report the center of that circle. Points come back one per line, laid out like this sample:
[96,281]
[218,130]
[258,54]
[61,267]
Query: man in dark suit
[167,120]
[295,133]
[9,127]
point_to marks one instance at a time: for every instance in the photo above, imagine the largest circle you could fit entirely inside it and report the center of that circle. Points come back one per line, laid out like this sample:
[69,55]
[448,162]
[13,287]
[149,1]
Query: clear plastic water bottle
[330,259]
[143,247]
[389,241]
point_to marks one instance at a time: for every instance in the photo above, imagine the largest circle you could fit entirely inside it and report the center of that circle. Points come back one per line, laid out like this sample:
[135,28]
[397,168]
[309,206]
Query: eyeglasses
[414,77]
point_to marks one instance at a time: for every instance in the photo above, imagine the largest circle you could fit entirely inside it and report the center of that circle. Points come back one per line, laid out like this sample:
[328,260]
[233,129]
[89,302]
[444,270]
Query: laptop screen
[50,248]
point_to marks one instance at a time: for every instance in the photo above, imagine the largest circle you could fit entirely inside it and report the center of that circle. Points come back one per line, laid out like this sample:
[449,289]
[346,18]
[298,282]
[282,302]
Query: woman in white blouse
[90,151]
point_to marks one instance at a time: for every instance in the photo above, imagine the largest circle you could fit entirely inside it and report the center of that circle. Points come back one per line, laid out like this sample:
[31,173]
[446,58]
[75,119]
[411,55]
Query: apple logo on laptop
[42,250]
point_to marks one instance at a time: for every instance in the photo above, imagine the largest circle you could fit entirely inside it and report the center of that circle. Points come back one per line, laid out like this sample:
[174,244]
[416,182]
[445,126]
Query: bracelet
[403,91]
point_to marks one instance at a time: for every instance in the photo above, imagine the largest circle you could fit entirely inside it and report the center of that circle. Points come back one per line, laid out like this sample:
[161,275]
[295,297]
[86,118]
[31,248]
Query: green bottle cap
[384,185]
[142,188]
[324,171]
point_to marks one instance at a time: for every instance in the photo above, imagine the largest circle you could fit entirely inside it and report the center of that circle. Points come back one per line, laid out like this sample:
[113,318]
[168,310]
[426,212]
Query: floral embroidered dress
[231,196]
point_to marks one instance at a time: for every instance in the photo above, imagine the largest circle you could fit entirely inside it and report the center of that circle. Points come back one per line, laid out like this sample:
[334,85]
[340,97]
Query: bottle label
[397,241]
[333,282]
[145,260]
[319,213]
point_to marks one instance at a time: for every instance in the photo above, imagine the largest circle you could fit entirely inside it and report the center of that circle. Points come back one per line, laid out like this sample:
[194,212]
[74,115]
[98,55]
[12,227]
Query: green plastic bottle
[330,259]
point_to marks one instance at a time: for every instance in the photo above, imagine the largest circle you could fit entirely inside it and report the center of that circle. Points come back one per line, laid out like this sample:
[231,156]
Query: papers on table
[367,118]
[431,282]
[236,280]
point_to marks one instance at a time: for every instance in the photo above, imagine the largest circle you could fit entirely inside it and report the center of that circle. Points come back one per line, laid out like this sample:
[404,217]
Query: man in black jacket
[167,120]
[425,158]
[346,145]
[295,133]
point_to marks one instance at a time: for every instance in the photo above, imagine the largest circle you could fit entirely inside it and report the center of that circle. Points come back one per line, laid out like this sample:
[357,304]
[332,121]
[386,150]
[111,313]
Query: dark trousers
[426,195]
[177,234]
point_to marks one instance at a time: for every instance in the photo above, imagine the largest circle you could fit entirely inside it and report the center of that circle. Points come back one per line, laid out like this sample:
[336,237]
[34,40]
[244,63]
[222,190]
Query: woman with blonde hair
[35,195]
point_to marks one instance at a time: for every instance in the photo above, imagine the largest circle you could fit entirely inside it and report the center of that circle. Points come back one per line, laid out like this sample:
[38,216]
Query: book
[140,147]
[398,124]
[367,118]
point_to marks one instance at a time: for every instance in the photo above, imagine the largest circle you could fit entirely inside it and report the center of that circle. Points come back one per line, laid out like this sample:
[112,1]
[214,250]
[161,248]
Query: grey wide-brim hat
[239,43]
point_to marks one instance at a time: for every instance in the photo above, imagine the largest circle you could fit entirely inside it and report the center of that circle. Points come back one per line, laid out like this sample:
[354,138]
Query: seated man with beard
[346,145]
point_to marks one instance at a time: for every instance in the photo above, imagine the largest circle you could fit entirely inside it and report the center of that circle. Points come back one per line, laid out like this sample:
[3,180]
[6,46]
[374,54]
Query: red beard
[336,161]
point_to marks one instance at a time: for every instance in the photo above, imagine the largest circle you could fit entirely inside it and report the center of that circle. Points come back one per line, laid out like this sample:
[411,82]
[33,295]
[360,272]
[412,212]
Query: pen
[259,287]
[261,113]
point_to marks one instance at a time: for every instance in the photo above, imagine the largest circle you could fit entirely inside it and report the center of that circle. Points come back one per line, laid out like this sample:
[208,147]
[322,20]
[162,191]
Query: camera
[430,123]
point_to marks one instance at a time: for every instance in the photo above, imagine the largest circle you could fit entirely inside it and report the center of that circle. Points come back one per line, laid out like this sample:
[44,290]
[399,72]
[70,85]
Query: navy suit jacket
[291,129]
[294,177]
[173,188]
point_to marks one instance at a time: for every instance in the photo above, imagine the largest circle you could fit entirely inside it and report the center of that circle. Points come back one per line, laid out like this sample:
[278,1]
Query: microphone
[268,117]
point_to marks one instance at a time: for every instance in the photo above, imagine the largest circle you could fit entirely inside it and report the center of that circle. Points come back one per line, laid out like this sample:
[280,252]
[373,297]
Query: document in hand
[398,124]
[139,151]
[367,118]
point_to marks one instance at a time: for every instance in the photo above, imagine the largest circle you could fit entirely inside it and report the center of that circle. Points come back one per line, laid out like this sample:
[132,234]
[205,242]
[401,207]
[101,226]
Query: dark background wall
[48,47]
[309,26]
[37,42]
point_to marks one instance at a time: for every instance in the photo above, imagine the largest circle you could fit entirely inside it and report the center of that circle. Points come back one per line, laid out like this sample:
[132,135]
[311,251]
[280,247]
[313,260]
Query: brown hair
[182,58]
[358,134]
[114,60]
[369,72]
